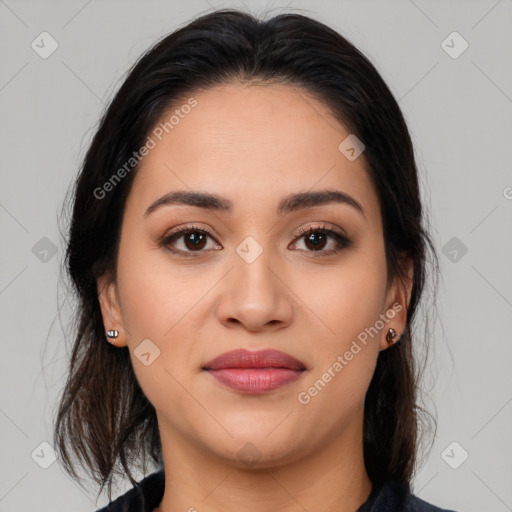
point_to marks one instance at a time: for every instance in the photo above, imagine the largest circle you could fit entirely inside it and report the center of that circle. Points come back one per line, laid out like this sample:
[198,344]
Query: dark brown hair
[104,421]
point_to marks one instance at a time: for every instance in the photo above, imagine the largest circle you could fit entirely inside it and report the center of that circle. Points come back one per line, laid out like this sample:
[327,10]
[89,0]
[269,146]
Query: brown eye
[186,241]
[194,240]
[316,239]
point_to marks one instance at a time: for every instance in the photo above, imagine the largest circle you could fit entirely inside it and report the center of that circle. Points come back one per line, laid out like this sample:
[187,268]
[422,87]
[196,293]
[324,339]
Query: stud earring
[391,335]
[111,336]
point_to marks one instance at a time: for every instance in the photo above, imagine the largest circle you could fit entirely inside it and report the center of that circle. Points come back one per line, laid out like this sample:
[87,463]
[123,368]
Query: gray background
[459,111]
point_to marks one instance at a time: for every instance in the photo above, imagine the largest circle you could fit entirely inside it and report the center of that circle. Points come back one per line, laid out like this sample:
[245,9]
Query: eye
[194,241]
[317,238]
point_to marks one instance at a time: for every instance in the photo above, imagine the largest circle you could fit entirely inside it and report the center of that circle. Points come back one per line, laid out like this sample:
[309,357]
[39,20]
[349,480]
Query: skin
[254,144]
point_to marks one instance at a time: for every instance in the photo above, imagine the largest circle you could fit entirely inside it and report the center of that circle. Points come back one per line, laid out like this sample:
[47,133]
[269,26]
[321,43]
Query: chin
[258,450]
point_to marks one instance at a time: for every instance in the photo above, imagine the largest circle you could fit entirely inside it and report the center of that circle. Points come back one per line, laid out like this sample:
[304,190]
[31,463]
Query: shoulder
[415,504]
[392,497]
[143,497]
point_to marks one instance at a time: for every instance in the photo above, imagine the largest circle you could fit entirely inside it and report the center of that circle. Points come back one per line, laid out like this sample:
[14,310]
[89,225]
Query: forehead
[251,143]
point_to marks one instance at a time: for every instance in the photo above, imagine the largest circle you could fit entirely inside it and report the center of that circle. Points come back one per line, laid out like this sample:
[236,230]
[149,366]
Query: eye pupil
[313,237]
[196,239]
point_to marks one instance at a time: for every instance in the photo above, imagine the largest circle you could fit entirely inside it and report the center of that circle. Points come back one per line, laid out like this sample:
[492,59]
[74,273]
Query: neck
[331,477]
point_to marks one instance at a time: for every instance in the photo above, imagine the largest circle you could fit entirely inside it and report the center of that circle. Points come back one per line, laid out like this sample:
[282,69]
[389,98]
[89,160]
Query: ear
[397,302]
[110,309]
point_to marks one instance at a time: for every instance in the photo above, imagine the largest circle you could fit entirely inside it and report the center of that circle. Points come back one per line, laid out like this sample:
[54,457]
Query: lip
[242,358]
[255,372]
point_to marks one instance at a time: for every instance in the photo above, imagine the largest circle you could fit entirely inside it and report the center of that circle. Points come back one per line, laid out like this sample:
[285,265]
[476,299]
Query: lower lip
[255,380]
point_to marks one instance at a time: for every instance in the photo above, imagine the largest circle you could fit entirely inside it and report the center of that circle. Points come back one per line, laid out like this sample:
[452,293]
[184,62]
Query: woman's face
[245,275]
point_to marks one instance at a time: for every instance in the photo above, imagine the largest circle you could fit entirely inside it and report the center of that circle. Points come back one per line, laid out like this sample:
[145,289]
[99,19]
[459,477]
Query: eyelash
[343,241]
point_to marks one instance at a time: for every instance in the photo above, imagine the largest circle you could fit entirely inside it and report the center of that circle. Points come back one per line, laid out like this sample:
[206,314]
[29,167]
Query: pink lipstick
[255,372]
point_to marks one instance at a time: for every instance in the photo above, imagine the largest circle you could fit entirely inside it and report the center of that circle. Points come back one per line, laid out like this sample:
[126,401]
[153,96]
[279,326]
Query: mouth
[255,372]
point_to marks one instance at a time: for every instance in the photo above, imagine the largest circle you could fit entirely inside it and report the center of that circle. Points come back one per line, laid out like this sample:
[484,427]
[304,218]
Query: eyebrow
[291,203]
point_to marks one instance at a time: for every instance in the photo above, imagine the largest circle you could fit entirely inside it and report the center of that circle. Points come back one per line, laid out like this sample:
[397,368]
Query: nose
[255,296]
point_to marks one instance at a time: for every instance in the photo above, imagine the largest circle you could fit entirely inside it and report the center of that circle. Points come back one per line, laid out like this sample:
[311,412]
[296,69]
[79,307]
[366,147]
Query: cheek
[345,304]
[346,352]
[155,295]
[158,303]
[344,300]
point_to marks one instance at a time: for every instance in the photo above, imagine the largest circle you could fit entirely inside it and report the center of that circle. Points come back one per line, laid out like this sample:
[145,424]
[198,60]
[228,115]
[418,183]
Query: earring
[391,335]
[111,336]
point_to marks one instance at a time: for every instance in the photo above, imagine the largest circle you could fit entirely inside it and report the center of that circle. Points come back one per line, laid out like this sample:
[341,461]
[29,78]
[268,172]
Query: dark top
[387,498]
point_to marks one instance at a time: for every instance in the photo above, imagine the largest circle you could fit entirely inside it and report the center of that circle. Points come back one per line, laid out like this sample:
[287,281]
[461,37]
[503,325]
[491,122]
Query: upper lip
[242,358]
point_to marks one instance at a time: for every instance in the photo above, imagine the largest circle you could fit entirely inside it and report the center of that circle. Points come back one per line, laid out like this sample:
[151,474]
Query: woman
[248,250]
